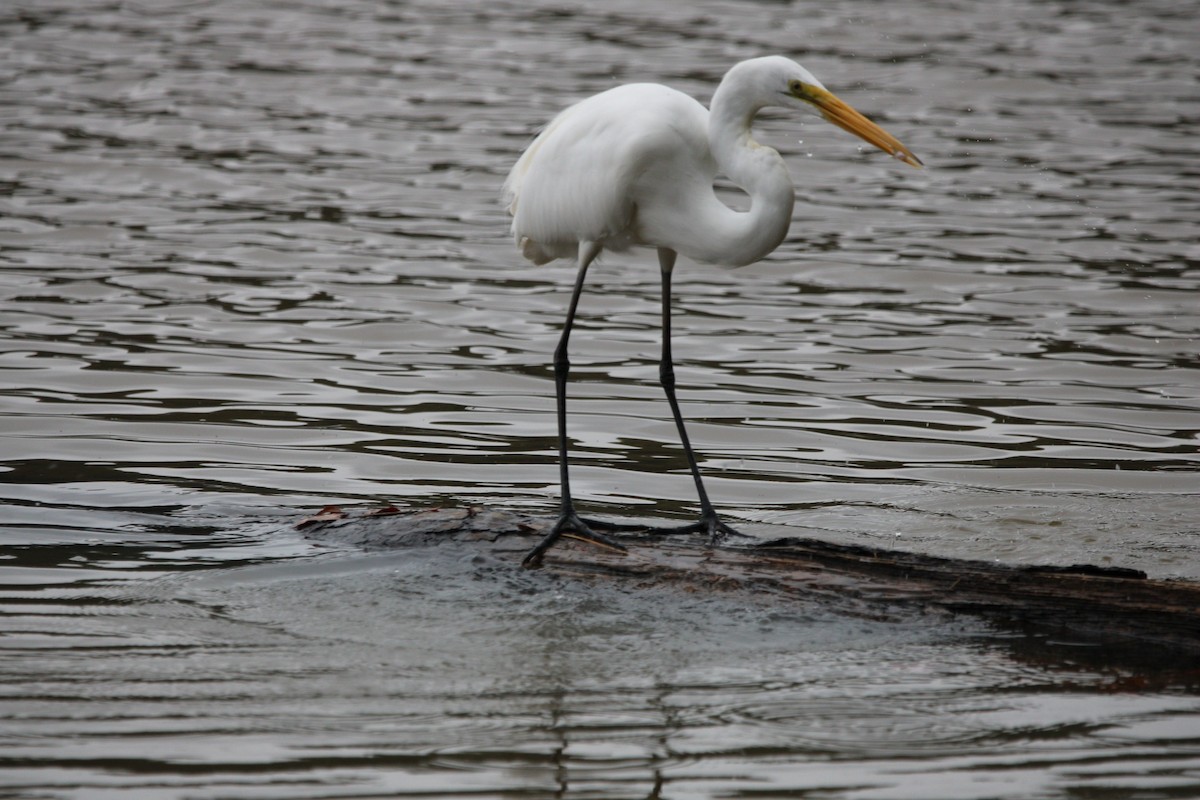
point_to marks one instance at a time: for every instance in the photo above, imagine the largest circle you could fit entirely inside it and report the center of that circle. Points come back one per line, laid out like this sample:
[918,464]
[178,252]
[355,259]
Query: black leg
[568,520]
[709,522]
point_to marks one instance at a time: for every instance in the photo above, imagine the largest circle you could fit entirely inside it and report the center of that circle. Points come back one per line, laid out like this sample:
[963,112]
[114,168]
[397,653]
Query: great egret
[634,166]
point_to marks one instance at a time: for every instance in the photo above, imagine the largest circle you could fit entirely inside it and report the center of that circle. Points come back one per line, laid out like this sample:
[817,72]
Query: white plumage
[635,166]
[599,161]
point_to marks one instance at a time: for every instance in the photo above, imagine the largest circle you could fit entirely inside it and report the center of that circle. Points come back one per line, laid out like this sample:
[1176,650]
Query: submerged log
[1081,604]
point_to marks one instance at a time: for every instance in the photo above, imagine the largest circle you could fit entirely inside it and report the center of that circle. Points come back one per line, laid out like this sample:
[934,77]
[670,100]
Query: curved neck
[743,237]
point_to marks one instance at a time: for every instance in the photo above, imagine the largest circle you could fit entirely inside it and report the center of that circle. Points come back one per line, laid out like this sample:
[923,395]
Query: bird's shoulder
[640,111]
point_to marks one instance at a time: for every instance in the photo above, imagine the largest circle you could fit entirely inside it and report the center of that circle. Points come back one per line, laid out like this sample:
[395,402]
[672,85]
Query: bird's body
[635,166]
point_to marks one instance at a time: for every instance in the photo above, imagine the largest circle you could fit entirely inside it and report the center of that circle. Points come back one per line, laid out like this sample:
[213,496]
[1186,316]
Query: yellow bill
[841,114]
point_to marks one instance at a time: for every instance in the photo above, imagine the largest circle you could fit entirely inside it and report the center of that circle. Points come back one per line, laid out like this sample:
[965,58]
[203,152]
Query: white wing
[582,178]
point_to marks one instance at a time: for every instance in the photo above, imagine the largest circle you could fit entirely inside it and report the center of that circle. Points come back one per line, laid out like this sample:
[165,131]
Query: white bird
[635,166]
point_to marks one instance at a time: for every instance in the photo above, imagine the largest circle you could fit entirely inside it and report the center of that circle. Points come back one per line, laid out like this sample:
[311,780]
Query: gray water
[252,261]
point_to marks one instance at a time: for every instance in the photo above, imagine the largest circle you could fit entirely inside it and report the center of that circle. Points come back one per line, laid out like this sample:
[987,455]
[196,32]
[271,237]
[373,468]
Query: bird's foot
[612,527]
[571,524]
[708,523]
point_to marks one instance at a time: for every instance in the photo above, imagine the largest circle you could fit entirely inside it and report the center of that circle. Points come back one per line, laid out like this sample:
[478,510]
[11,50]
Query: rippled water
[252,261]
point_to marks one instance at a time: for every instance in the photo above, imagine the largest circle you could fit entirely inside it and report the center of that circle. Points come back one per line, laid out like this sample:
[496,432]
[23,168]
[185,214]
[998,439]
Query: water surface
[252,261]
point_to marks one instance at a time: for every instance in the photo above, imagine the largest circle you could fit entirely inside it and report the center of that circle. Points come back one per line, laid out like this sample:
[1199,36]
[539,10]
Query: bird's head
[791,85]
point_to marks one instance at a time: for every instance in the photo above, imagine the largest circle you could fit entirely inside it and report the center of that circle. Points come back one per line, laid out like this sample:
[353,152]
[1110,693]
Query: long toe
[708,523]
[718,531]
[611,527]
[568,523]
[581,529]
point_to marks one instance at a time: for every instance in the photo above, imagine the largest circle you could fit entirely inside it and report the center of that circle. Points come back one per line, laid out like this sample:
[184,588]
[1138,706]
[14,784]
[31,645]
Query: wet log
[1108,609]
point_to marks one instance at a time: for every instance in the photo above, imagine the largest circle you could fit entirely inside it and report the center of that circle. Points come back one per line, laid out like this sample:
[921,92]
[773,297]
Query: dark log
[1113,608]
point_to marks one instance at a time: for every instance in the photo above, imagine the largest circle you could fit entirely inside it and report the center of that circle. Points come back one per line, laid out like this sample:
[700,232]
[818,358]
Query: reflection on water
[252,260]
[338,678]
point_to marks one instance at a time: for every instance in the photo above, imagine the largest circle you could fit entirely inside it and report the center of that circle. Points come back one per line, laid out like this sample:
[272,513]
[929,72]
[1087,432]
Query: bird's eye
[795,87]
